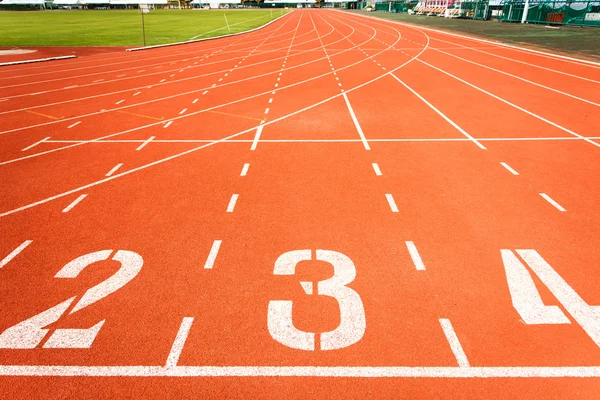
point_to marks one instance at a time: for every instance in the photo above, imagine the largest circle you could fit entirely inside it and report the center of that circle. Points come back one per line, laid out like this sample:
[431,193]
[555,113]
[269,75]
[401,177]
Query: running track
[331,206]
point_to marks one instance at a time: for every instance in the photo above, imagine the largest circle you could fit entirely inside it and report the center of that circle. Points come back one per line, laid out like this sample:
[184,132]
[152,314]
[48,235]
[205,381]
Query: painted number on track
[352,313]
[30,333]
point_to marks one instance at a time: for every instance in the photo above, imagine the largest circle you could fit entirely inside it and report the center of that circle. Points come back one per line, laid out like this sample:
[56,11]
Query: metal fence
[582,13]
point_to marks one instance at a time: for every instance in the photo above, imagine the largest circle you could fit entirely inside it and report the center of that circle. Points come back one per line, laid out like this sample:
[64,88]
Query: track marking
[44,115]
[511,104]
[245,169]
[266,110]
[74,203]
[31,146]
[235,115]
[177,348]
[115,168]
[508,167]
[14,253]
[122,75]
[256,137]
[141,115]
[212,255]
[73,125]
[167,124]
[416,257]
[145,143]
[119,102]
[391,202]
[455,346]
[551,201]
[232,201]
[195,101]
[206,91]
[356,124]
[162,80]
[441,114]
[376,169]
[182,111]
[136,93]
[97,80]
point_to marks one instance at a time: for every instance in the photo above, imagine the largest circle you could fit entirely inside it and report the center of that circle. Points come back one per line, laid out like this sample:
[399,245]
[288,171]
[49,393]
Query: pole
[143,27]
[525,12]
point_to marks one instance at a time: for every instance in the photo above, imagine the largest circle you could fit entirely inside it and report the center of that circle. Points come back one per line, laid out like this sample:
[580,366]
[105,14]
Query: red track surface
[423,162]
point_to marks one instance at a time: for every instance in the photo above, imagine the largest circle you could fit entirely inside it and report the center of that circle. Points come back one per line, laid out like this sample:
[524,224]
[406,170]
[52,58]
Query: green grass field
[569,39]
[123,27]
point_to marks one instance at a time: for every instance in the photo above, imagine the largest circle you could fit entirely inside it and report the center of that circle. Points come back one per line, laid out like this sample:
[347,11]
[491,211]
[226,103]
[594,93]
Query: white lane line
[167,124]
[416,257]
[122,75]
[71,87]
[267,110]
[391,202]
[97,80]
[376,169]
[119,102]
[145,143]
[356,124]
[73,204]
[115,168]
[551,201]
[256,137]
[73,125]
[195,101]
[177,348]
[232,201]
[270,100]
[162,80]
[31,146]
[245,169]
[135,94]
[206,91]
[14,253]
[441,114]
[143,70]
[455,346]
[182,111]
[212,255]
[508,167]
[220,80]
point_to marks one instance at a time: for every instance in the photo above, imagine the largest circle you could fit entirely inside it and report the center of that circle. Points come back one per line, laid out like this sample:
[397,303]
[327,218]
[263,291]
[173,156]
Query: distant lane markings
[256,137]
[512,171]
[356,123]
[195,101]
[206,91]
[212,255]
[97,80]
[177,348]
[115,168]
[167,124]
[73,125]
[122,75]
[416,257]
[182,111]
[14,253]
[232,201]
[35,144]
[145,143]
[74,203]
[245,169]
[551,201]
[119,102]
[135,94]
[44,115]
[391,202]
[377,170]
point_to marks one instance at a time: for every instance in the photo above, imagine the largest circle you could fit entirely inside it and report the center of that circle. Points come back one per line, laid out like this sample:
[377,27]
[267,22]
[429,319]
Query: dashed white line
[376,168]
[416,257]
[140,71]
[206,91]
[97,80]
[167,124]
[73,204]
[512,171]
[14,253]
[35,144]
[212,255]
[145,143]
[391,202]
[182,111]
[195,101]
[270,100]
[119,102]
[551,201]
[256,137]
[232,201]
[267,110]
[356,124]
[245,169]
[122,75]
[177,348]
[115,168]
[455,346]
[135,94]
[73,125]
[162,80]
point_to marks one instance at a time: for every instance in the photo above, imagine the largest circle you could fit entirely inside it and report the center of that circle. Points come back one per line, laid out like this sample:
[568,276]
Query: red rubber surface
[331,94]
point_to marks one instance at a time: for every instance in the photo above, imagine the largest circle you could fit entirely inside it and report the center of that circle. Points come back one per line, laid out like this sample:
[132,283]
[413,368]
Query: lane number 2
[31,332]
[352,313]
